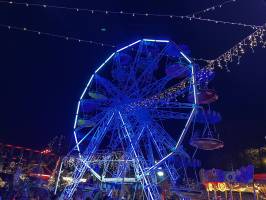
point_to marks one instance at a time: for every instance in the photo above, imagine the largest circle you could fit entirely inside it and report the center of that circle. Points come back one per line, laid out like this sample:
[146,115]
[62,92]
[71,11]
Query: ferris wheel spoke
[173,91]
[133,68]
[108,86]
[166,139]
[128,151]
[153,88]
[163,115]
[150,156]
[88,153]
[171,105]
[82,137]
[159,103]
[89,107]
[161,151]
[163,97]
[146,76]
[156,86]
[127,129]
[88,121]
[149,150]
[99,133]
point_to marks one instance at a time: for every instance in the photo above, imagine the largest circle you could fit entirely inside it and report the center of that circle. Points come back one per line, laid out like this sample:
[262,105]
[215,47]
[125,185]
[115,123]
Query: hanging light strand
[212,8]
[65,37]
[235,53]
[133,14]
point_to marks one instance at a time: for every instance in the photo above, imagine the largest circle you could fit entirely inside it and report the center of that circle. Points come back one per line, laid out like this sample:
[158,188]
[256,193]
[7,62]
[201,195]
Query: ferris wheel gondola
[205,96]
[207,143]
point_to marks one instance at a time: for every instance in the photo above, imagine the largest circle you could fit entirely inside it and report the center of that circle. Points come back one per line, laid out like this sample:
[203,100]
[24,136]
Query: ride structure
[134,115]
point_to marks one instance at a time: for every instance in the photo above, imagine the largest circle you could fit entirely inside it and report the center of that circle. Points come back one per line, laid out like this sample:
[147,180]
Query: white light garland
[189,17]
[212,8]
[255,39]
[65,37]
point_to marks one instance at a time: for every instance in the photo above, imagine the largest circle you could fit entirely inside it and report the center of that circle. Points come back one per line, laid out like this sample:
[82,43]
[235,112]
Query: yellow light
[222,187]
[70,179]
[210,187]
[264,161]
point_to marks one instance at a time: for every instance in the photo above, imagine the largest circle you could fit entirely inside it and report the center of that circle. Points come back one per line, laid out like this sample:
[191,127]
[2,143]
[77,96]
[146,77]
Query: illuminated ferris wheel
[138,105]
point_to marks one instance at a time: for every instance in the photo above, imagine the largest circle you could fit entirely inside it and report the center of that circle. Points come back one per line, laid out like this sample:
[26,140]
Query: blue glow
[58,177]
[158,163]
[93,129]
[76,119]
[76,116]
[92,171]
[104,62]
[83,93]
[185,57]
[160,173]
[136,156]
[194,86]
[75,135]
[151,40]
[78,108]
[77,111]
[128,46]
[159,152]
[186,127]
[113,119]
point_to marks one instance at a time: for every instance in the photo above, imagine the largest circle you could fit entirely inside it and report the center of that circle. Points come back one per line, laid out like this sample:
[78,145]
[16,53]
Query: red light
[46,151]
[43,176]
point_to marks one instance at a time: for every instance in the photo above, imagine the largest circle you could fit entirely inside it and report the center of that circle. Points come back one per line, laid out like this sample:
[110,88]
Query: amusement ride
[135,118]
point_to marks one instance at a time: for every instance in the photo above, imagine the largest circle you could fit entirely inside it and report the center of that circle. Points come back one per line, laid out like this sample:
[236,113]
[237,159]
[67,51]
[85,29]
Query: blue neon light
[185,57]
[76,139]
[151,40]
[194,86]
[186,127]
[104,62]
[136,156]
[128,46]
[83,93]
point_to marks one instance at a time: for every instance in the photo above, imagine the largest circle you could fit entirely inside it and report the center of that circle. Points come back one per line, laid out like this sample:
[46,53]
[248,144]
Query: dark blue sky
[42,78]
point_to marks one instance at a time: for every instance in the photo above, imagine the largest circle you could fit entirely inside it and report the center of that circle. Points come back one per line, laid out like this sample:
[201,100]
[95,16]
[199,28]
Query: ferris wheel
[134,115]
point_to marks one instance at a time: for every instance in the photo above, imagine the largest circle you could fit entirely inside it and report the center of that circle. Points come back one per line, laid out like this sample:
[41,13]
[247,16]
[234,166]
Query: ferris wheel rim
[109,58]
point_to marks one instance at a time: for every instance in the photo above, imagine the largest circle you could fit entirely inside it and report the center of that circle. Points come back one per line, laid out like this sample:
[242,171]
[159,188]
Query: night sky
[42,78]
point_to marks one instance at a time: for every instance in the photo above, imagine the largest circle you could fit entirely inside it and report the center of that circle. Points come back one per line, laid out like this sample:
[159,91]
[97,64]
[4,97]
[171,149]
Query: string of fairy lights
[58,36]
[222,61]
[236,52]
[212,8]
[209,9]
[253,40]
[194,16]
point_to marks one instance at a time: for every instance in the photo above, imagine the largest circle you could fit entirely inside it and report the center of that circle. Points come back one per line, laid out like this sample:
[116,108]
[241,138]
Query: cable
[212,8]
[133,14]
[24,29]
